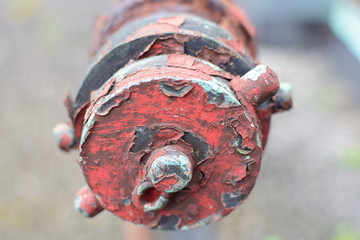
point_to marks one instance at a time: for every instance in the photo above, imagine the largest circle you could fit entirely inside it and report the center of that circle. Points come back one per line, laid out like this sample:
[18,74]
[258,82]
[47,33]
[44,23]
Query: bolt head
[170,172]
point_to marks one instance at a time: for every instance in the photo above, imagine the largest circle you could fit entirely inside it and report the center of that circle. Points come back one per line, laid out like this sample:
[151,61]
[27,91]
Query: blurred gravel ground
[308,187]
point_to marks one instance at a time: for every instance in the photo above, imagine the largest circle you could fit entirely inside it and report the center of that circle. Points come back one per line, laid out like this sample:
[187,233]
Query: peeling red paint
[174,113]
[163,46]
[213,56]
[146,107]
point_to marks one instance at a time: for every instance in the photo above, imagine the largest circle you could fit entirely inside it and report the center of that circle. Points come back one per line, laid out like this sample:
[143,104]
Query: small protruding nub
[64,136]
[257,85]
[169,170]
[283,99]
[86,203]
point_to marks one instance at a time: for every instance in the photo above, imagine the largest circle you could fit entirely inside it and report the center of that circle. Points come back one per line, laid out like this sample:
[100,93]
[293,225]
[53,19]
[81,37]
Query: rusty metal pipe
[173,115]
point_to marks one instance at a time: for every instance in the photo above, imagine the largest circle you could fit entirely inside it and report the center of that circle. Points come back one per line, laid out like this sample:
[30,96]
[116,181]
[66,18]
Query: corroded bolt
[169,169]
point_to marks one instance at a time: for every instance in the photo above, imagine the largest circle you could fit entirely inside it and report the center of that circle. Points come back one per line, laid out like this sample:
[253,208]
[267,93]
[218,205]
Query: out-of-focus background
[309,184]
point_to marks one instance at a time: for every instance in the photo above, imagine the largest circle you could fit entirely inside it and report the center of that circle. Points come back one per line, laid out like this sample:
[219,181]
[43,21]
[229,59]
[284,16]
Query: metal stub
[257,85]
[169,170]
[86,203]
[164,160]
[283,99]
[280,102]
[65,136]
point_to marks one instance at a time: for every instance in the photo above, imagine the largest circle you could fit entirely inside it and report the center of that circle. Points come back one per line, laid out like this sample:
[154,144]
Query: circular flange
[135,114]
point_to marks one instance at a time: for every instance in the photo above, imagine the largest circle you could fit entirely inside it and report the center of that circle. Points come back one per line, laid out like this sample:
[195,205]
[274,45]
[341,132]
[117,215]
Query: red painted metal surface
[173,115]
